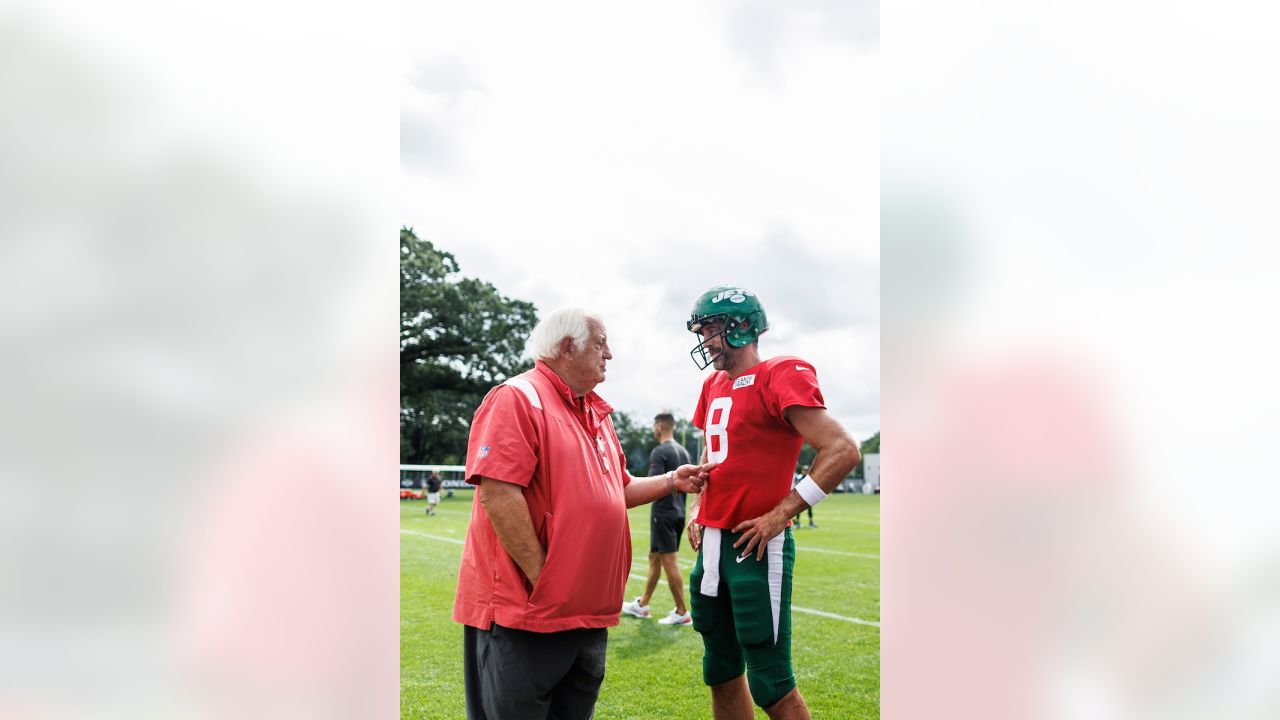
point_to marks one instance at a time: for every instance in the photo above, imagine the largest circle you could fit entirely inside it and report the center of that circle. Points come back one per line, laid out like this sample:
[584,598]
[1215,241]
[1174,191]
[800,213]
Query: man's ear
[566,346]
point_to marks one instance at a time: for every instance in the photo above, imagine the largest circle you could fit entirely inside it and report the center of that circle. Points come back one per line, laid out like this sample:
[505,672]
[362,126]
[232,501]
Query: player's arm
[685,479]
[505,505]
[837,455]
[693,528]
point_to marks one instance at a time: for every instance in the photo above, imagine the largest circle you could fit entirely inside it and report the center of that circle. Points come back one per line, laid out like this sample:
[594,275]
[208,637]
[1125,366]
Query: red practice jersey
[747,433]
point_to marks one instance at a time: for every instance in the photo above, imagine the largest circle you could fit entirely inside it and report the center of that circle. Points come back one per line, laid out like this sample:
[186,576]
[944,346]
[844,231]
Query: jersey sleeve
[792,382]
[503,444]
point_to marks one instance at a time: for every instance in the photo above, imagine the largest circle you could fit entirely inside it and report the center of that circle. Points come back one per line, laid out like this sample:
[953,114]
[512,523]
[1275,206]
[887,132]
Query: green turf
[655,671]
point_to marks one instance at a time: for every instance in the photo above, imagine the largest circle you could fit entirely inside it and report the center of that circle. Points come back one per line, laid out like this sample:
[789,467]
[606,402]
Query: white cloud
[629,160]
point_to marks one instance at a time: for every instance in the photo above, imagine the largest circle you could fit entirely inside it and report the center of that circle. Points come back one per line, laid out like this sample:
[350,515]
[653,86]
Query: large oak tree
[458,338]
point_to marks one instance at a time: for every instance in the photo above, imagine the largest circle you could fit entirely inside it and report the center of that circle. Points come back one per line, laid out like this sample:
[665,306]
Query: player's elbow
[848,454]
[855,459]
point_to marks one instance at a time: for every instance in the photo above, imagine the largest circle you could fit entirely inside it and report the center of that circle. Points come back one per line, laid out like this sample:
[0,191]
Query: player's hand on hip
[695,535]
[757,532]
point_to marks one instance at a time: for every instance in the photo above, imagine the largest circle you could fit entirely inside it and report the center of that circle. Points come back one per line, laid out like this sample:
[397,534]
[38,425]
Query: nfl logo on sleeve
[484,452]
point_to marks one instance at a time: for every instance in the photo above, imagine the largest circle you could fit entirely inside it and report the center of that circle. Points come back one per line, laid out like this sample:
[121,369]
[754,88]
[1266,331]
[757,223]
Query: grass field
[655,671]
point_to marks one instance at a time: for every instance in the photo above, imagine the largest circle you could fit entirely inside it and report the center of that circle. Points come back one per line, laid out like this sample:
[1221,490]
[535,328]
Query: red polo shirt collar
[593,401]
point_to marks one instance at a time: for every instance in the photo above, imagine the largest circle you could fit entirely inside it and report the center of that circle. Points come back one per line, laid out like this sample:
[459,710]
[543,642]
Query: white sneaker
[676,618]
[634,607]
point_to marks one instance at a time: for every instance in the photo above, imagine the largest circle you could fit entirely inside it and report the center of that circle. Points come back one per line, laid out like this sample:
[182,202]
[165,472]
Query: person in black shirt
[666,525]
[433,492]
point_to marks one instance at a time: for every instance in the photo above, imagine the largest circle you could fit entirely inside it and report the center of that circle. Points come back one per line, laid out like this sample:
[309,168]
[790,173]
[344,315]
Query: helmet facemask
[701,354]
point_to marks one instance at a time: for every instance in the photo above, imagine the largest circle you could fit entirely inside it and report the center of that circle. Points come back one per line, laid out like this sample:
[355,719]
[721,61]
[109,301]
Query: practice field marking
[838,552]
[869,556]
[834,616]
[643,578]
[455,541]
[686,564]
[443,511]
[797,608]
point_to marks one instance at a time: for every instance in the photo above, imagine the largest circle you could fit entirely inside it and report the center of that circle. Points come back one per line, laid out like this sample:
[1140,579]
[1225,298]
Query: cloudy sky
[627,160]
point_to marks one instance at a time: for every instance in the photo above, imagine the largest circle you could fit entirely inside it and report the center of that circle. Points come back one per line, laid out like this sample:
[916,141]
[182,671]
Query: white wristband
[810,491]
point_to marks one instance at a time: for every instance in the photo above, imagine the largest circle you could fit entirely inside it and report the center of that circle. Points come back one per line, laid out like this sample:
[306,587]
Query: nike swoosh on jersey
[740,558]
[801,367]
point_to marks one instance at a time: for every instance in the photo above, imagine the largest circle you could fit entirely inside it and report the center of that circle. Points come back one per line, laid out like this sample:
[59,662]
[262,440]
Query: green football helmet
[740,312]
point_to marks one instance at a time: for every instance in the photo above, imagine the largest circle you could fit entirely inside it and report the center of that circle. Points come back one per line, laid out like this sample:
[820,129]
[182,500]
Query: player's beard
[724,359]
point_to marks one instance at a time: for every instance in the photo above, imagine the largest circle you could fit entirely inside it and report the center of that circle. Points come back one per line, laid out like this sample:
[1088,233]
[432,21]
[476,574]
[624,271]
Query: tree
[870,445]
[637,442]
[690,437]
[807,454]
[636,436]
[458,338]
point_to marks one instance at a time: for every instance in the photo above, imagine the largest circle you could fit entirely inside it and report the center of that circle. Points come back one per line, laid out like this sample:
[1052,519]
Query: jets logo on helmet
[740,314]
[733,294]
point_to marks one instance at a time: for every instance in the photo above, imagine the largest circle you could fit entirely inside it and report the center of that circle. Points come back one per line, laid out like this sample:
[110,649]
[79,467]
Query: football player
[755,415]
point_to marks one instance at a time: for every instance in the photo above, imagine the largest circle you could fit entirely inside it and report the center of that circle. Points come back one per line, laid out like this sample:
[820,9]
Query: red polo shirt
[531,431]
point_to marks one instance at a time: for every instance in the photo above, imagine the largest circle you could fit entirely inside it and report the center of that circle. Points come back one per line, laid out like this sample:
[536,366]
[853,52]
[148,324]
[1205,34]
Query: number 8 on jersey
[718,429]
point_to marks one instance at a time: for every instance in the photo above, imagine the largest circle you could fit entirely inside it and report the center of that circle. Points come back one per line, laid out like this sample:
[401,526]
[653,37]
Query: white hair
[544,341]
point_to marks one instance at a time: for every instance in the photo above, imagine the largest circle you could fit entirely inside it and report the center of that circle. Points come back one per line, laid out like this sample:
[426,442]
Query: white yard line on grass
[443,511]
[839,552]
[871,556]
[433,537]
[826,523]
[686,564]
[833,616]
[642,578]
[797,608]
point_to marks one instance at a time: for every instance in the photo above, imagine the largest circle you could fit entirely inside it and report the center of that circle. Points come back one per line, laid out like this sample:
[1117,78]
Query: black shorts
[516,674]
[665,534]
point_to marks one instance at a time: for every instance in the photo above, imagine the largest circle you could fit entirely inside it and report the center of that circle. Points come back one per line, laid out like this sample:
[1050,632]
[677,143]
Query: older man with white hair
[548,548]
